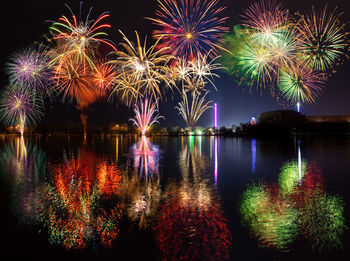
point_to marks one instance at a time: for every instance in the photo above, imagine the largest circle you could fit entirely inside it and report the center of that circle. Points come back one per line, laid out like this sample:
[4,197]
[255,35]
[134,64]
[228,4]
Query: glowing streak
[299,163]
[116,149]
[298,106]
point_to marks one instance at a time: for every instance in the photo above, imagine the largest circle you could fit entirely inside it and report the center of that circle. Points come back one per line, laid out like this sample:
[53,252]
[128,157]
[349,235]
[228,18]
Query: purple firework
[19,106]
[29,69]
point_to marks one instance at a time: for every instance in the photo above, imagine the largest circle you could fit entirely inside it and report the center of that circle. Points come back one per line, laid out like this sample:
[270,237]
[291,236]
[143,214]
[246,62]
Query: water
[175,198]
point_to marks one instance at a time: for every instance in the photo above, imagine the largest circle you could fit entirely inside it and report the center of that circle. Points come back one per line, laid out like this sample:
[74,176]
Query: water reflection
[145,157]
[216,163]
[253,151]
[82,199]
[25,166]
[71,202]
[191,224]
[297,207]
[141,198]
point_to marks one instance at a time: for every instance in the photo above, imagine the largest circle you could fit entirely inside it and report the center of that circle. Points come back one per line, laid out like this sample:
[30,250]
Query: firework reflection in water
[145,157]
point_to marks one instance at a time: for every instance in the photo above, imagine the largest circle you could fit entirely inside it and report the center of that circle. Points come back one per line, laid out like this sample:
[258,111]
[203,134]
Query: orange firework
[74,81]
[103,77]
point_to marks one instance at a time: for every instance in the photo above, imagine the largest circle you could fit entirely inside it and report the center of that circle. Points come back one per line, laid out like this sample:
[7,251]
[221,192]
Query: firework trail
[192,112]
[146,114]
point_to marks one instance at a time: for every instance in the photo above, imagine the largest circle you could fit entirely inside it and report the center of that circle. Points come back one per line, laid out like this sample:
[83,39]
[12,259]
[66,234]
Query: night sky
[24,22]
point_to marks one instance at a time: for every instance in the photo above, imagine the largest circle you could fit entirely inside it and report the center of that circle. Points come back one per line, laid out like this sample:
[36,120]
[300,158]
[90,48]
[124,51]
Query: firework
[323,38]
[80,71]
[256,62]
[141,69]
[78,40]
[301,84]
[146,114]
[273,48]
[190,27]
[202,69]
[194,75]
[74,81]
[103,77]
[267,19]
[192,112]
[285,50]
[20,107]
[231,61]
[125,87]
[28,68]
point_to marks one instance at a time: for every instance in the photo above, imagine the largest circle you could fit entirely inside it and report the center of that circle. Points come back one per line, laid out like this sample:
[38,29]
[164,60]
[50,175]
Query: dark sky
[24,22]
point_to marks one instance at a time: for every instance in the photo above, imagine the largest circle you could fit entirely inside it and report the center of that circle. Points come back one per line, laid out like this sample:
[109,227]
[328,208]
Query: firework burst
[267,19]
[194,75]
[272,48]
[73,81]
[142,71]
[19,106]
[190,27]
[103,77]
[202,69]
[78,39]
[28,68]
[301,84]
[322,37]
[257,62]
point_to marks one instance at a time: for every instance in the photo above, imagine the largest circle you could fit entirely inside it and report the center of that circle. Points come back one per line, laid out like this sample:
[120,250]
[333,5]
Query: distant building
[337,118]
[294,116]
[281,116]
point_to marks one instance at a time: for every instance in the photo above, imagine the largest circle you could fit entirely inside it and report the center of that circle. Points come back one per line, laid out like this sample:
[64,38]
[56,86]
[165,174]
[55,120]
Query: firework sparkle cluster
[291,55]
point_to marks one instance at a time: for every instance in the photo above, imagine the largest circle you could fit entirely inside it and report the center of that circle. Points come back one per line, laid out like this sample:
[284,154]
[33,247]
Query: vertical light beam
[215,116]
